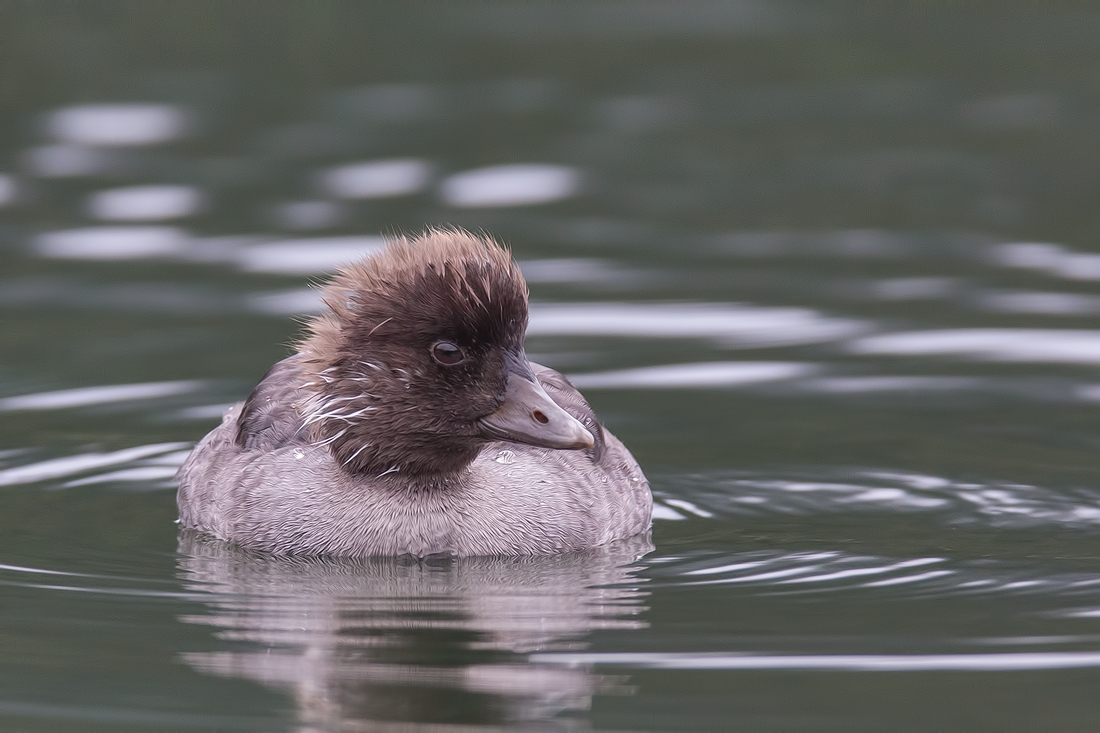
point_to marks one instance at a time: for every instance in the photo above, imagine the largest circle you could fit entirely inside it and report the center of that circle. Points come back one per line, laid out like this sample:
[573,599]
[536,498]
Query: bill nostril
[540,416]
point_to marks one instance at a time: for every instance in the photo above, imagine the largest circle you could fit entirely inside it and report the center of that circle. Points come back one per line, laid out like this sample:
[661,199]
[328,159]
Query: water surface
[829,269]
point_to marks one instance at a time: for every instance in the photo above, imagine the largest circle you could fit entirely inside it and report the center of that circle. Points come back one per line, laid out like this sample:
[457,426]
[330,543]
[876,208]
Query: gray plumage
[365,443]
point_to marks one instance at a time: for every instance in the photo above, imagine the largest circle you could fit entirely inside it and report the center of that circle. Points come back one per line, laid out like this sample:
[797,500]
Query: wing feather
[270,418]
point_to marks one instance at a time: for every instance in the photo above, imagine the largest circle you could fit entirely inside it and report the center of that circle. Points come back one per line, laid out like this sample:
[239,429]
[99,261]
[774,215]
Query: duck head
[418,360]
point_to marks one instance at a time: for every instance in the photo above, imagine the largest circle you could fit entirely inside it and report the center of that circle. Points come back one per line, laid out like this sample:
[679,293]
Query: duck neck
[426,457]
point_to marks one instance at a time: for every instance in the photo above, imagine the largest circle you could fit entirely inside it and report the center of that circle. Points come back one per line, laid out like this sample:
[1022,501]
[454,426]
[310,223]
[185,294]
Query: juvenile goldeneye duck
[410,421]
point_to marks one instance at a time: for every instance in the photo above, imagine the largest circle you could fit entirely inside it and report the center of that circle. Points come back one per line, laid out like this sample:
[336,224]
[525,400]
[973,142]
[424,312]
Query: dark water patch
[128,719]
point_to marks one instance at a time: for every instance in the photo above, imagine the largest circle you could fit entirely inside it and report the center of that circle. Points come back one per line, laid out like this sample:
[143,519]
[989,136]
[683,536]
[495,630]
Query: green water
[828,269]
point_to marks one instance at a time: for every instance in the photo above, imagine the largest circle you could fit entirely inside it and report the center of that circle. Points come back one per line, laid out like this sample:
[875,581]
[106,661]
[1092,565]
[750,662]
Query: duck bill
[528,415]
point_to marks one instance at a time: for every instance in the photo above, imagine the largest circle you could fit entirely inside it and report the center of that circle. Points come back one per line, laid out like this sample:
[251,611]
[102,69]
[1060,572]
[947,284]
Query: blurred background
[828,268]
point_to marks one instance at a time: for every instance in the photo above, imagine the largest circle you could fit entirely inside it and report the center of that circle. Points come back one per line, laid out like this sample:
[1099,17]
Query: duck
[409,421]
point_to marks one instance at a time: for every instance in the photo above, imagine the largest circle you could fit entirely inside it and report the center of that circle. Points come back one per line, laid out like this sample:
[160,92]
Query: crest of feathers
[445,278]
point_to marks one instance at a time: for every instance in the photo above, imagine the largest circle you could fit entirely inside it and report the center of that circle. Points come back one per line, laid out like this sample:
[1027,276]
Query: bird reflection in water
[365,643]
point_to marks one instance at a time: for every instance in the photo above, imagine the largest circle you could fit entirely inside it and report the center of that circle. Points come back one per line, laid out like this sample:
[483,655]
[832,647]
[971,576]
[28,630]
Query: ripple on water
[997,662]
[510,185]
[9,190]
[113,243]
[169,456]
[1051,259]
[705,374]
[992,344]
[118,125]
[106,394]
[842,580]
[801,571]
[376,179]
[990,504]
[145,467]
[727,323]
[799,379]
[104,584]
[306,256]
[145,203]
[781,573]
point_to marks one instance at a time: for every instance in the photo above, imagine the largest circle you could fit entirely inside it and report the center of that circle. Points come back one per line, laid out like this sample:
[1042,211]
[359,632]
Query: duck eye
[447,353]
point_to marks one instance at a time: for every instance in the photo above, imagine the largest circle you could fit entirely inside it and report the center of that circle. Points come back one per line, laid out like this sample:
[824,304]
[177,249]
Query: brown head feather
[377,397]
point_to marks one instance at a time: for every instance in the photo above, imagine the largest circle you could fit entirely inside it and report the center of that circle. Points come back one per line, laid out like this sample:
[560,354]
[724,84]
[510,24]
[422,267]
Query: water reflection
[994,344]
[305,256]
[510,185]
[991,503]
[71,161]
[118,124]
[727,323]
[9,190]
[1049,258]
[368,641]
[376,179]
[55,468]
[102,395]
[113,243]
[1054,304]
[707,374]
[145,203]
[874,578]
[997,662]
